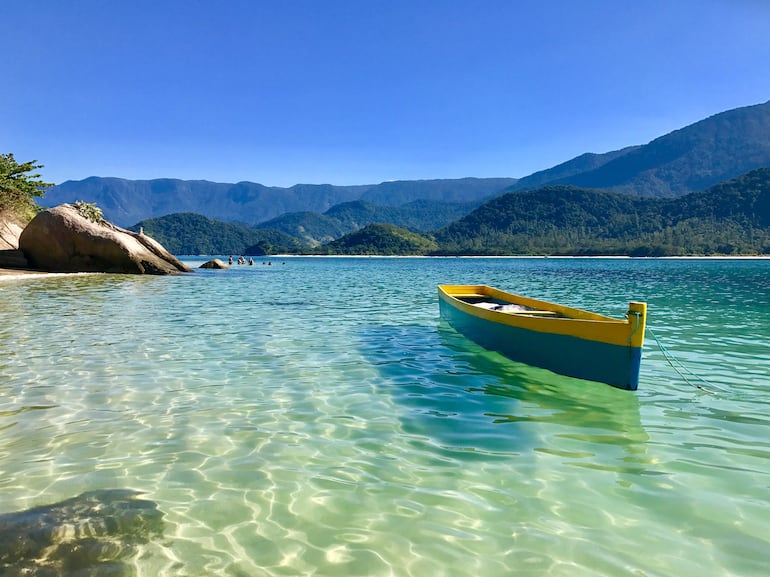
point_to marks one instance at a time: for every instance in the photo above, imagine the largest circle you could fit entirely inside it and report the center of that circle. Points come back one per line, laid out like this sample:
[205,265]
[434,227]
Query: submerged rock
[214,263]
[92,534]
[60,239]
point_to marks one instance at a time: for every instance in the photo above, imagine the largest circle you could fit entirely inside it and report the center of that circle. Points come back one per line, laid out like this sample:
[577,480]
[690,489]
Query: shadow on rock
[93,534]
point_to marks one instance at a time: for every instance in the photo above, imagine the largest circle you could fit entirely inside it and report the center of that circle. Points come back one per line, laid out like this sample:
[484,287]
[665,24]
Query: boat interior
[510,308]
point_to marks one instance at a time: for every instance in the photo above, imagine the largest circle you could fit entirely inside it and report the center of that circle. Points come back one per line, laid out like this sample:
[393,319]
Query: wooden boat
[565,340]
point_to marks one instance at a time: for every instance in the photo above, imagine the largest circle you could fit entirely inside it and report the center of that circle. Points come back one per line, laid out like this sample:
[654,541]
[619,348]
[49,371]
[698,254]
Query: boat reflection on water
[470,403]
[568,417]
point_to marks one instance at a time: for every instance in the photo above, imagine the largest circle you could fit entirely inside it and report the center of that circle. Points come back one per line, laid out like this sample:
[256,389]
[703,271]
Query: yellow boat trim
[550,317]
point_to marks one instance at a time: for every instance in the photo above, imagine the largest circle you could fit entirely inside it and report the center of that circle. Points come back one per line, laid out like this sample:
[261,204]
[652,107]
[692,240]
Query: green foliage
[274,242]
[90,211]
[18,188]
[262,248]
[311,228]
[187,233]
[420,216]
[381,239]
[730,219]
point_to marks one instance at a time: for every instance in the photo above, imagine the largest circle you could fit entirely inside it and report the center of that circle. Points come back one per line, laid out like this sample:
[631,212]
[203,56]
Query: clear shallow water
[316,418]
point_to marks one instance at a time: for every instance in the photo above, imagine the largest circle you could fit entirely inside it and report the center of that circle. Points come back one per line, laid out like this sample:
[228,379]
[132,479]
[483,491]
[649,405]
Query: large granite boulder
[61,240]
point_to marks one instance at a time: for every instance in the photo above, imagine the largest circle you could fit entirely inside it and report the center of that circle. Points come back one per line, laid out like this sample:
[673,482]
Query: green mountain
[187,233]
[693,158]
[729,218]
[380,239]
[418,215]
[315,229]
[744,200]
[311,228]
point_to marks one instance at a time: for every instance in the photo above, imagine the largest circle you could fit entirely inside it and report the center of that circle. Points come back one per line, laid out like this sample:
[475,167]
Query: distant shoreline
[13,274]
[521,256]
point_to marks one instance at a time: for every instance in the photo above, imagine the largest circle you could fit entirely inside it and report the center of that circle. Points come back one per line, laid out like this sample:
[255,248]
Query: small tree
[18,188]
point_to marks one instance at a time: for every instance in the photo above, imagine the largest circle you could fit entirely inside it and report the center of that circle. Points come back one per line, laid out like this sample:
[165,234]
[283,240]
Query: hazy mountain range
[731,218]
[693,158]
[126,202]
[714,150]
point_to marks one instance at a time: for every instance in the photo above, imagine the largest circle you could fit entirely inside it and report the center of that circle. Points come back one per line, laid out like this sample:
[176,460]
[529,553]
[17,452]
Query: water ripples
[317,418]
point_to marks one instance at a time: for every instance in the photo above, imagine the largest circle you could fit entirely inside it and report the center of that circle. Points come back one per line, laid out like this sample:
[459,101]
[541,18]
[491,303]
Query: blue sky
[363,91]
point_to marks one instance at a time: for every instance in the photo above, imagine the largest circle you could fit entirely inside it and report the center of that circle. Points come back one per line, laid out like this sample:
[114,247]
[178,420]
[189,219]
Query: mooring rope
[671,360]
[638,316]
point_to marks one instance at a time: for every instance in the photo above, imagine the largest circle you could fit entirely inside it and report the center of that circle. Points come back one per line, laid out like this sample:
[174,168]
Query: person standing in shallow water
[230,260]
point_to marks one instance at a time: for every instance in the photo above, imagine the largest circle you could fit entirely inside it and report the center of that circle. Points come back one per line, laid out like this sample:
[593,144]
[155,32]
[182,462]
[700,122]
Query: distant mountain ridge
[586,162]
[690,159]
[127,202]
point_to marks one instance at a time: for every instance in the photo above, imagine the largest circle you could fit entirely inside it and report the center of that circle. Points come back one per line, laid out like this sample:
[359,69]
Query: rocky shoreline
[62,240]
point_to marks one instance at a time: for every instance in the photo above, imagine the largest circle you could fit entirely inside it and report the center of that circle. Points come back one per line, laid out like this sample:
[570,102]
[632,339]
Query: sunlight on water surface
[314,416]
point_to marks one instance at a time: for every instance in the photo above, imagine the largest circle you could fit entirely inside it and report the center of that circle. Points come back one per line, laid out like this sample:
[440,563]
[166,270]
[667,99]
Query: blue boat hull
[612,364]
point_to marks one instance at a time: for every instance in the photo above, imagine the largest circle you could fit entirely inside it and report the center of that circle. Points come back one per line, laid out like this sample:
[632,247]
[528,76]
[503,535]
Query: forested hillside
[188,233]
[380,239]
[420,216]
[311,228]
[730,218]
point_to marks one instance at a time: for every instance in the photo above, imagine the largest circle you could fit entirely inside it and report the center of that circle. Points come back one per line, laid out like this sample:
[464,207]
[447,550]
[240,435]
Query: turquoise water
[314,417]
